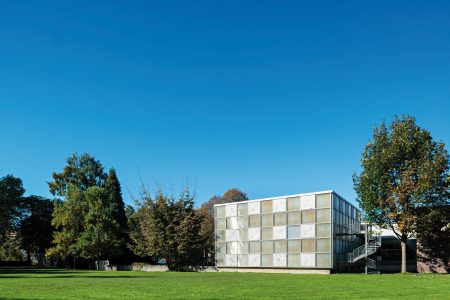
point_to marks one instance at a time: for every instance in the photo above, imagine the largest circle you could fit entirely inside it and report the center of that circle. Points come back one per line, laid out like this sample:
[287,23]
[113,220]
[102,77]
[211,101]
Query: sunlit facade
[294,233]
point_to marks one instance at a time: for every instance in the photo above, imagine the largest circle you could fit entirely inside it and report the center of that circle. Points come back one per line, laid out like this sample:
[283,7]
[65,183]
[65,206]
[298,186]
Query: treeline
[89,221]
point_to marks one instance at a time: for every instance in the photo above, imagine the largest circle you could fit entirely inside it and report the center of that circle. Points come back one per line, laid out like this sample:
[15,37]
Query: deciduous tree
[36,230]
[81,171]
[404,170]
[11,205]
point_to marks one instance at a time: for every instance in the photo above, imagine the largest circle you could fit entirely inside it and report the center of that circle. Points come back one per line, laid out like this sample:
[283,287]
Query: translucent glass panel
[231,210]
[267,247]
[266,233]
[293,260]
[323,230]
[293,232]
[279,260]
[254,208]
[254,221]
[308,202]
[254,260]
[254,247]
[308,231]
[280,219]
[323,216]
[220,235]
[242,209]
[243,235]
[254,234]
[266,207]
[220,259]
[323,200]
[323,260]
[231,260]
[267,260]
[308,217]
[294,218]
[279,205]
[243,222]
[242,247]
[293,204]
[231,235]
[242,260]
[221,248]
[294,246]
[323,245]
[267,220]
[220,211]
[279,246]
[232,223]
[232,248]
[307,259]
[279,232]
[221,223]
[308,245]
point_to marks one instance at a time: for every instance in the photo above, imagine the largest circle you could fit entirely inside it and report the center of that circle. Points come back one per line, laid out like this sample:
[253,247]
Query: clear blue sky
[272,97]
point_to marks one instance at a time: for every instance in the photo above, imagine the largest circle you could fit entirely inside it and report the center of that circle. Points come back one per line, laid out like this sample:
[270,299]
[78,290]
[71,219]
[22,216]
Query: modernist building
[297,233]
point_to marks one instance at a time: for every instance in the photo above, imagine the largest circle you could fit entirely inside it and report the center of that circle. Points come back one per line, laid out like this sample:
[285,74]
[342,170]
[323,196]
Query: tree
[11,205]
[68,220]
[112,187]
[404,171]
[101,235]
[207,211]
[136,243]
[81,171]
[432,235]
[36,229]
[234,195]
[85,225]
[171,229]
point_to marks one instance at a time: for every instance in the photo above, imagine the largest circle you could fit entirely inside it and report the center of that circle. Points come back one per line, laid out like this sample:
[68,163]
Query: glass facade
[283,232]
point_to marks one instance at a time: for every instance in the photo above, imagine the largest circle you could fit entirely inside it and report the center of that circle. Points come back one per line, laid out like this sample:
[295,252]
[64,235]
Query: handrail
[360,252]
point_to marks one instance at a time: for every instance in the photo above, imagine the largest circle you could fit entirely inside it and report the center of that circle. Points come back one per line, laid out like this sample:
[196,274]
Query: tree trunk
[403,244]
[29,257]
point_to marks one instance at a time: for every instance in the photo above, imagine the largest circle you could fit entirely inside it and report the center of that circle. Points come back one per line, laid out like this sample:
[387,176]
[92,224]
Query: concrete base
[275,270]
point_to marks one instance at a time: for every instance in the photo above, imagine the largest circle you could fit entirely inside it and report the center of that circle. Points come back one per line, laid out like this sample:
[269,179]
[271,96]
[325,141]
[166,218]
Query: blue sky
[273,97]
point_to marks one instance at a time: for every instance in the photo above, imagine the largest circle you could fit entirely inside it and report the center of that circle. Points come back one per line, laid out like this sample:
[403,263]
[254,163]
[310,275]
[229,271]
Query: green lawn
[67,284]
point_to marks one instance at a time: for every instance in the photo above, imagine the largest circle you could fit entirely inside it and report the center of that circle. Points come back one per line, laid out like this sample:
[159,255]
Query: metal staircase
[371,246]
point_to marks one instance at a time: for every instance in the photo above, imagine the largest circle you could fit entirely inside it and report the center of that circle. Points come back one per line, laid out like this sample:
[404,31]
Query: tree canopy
[11,204]
[81,171]
[170,228]
[403,170]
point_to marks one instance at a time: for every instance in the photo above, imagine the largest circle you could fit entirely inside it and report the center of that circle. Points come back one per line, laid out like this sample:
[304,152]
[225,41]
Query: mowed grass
[68,284]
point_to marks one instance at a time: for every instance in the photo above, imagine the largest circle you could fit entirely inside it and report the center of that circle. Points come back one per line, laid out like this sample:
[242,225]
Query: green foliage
[100,236]
[10,249]
[432,236]
[91,221]
[112,187]
[36,229]
[403,170]
[170,229]
[68,219]
[11,205]
[81,171]
[404,174]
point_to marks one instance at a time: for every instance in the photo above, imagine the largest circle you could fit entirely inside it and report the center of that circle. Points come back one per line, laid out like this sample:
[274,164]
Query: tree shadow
[59,273]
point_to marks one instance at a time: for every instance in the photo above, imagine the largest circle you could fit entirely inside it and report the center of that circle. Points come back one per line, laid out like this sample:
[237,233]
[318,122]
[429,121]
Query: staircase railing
[372,246]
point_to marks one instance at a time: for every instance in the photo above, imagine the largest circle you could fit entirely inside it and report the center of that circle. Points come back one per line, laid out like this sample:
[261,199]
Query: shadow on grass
[58,273]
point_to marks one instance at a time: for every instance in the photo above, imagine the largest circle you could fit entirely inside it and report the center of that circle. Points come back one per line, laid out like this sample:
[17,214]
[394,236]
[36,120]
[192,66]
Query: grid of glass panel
[293,232]
[345,216]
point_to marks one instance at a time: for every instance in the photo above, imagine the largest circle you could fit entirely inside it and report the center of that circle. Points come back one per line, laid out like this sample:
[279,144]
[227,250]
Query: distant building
[304,233]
